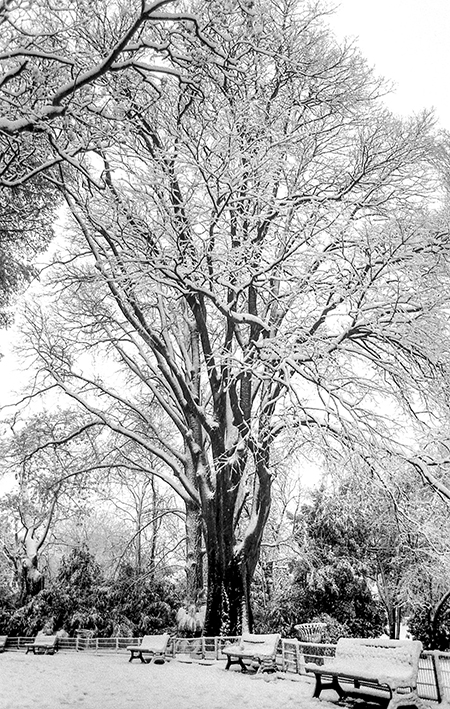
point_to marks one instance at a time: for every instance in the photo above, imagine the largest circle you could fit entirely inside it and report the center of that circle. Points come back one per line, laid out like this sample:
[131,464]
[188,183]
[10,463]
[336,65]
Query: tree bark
[31,580]
[228,601]
[194,553]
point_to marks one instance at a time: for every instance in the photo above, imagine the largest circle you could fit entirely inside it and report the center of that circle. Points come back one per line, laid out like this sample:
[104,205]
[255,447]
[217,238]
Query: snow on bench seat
[153,647]
[390,665]
[260,649]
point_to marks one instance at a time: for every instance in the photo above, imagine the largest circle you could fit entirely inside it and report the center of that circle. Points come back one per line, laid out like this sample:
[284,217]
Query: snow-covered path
[109,681]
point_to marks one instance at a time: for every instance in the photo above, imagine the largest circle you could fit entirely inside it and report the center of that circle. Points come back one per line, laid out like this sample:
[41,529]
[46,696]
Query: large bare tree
[261,263]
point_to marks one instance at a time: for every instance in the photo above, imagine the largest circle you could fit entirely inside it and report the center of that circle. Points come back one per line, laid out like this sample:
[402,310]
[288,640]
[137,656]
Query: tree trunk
[154,528]
[228,603]
[31,580]
[435,619]
[194,563]
[398,622]
[391,621]
[230,572]
[394,621]
[138,543]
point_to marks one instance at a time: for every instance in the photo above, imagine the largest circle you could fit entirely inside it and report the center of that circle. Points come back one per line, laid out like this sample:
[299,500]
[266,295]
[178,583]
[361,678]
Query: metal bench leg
[242,664]
[337,688]
[409,699]
[334,684]
[318,687]
[237,661]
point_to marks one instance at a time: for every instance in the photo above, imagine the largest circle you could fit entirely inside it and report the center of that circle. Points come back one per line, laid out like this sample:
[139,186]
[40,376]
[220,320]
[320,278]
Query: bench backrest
[381,654]
[158,643]
[264,644]
[49,640]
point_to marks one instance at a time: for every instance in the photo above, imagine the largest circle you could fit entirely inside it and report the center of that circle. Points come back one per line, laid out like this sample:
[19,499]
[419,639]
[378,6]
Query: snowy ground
[109,681]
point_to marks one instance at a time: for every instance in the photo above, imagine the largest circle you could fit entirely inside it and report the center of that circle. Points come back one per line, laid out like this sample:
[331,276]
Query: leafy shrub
[341,597]
[80,597]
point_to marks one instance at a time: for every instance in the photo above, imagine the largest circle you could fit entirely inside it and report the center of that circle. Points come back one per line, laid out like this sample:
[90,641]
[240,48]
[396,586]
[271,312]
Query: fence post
[296,659]
[438,675]
[284,663]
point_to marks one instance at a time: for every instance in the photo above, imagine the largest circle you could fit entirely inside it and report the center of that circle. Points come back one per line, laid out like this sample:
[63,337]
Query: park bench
[43,645]
[261,650]
[151,646]
[372,665]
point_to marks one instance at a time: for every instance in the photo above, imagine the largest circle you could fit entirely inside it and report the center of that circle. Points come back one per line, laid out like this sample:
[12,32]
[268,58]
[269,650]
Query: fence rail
[434,666]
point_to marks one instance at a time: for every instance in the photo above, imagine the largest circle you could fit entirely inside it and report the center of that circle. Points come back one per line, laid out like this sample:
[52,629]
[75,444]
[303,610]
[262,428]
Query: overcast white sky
[408,41]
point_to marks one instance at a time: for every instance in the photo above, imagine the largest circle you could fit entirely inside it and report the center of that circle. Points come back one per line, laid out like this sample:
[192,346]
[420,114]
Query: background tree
[280,545]
[262,262]
[27,215]
[49,488]
[330,572]
[152,519]
[67,488]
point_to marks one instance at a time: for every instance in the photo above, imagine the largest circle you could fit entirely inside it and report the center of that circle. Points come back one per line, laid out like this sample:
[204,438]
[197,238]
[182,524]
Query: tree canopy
[253,258]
